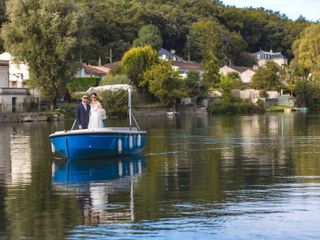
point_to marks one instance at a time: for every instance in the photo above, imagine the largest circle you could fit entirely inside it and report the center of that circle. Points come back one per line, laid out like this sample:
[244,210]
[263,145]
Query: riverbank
[30,117]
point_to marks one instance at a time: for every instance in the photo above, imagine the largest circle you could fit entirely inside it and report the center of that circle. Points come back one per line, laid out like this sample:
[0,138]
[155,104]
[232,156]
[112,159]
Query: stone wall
[30,117]
[16,100]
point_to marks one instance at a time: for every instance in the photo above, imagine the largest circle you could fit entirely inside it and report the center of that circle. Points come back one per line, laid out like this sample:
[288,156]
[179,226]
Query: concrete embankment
[185,110]
[30,117]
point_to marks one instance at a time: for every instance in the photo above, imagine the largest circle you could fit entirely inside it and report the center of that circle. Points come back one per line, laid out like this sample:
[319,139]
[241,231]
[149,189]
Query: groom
[82,113]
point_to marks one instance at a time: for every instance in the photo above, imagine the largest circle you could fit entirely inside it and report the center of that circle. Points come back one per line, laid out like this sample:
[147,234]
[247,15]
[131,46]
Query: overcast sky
[310,9]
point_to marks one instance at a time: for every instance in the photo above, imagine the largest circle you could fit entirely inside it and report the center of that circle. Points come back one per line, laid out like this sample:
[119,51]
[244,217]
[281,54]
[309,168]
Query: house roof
[97,70]
[241,69]
[110,65]
[271,54]
[5,56]
[169,55]
[187,65]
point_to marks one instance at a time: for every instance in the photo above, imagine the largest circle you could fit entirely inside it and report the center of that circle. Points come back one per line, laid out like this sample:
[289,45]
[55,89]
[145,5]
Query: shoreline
[30,117]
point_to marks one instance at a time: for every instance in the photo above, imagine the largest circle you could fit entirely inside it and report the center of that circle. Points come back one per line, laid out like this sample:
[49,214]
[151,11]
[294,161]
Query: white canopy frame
[117,87]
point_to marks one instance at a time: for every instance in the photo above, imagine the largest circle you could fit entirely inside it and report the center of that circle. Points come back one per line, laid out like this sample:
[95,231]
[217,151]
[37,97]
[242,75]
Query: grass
[149,105]
[277,108]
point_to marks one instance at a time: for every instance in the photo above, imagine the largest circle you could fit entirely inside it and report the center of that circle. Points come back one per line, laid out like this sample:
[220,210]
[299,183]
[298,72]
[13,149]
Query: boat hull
[83,144]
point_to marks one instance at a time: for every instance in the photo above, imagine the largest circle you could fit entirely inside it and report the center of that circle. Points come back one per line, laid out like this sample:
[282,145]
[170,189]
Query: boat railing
[113,88]
[74,124]
[135,121]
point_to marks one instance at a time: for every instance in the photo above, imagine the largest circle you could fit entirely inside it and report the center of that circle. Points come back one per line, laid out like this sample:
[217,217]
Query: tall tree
[149,35]
[208,35]
[45,34]
[307,53]
[3,18]
[136,61]
[267,77]
[164,82]
[211,76]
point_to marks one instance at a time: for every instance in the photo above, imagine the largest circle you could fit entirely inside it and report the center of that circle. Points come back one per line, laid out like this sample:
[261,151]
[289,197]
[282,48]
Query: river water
[221,177]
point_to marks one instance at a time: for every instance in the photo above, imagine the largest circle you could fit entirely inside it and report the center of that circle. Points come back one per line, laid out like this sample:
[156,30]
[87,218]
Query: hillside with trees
[189,27]
[64,33]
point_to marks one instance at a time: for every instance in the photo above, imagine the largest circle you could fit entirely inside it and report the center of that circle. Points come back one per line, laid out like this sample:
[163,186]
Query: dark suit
[82,115]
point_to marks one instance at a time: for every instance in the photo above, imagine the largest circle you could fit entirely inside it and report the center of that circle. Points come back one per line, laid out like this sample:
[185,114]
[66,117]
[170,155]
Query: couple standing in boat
[90,115]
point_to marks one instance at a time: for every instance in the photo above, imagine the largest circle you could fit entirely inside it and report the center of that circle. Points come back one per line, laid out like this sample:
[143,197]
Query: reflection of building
[15,156]
[20,153]
[5,133]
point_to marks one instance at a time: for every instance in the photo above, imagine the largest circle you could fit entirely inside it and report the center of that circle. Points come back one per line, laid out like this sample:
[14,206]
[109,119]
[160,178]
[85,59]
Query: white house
[4,74]
[18,72]
[245,73]
[179,64]
[263,57]
[186,66]
[252,94]
[14,97]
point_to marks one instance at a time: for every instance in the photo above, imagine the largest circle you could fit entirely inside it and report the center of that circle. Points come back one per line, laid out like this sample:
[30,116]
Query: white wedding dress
[96,117]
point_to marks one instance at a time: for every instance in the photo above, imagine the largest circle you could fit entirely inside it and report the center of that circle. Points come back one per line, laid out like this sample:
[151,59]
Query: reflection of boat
[95,182]
[100,142]
[97,170]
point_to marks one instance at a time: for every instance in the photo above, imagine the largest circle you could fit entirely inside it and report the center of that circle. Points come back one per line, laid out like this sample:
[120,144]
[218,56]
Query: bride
[97,113]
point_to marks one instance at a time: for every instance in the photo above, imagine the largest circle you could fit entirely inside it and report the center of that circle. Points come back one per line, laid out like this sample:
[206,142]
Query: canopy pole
[129,106]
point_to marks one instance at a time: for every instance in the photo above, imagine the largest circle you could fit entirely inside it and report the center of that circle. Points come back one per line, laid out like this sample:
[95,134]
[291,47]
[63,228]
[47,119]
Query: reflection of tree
[32,210]
[197,165]
[191,164]
[176,172]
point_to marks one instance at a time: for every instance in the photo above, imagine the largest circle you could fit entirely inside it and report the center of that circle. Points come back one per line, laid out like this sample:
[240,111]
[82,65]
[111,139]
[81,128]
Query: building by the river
[14,97]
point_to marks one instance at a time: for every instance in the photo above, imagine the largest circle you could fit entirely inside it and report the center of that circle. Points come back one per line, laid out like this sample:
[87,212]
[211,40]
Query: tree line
[53,36]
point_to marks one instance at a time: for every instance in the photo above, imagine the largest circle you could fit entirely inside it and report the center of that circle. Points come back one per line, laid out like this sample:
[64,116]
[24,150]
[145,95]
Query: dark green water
[237,177]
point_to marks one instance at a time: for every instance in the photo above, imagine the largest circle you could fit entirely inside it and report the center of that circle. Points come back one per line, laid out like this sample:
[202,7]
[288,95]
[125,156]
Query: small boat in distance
[100,142]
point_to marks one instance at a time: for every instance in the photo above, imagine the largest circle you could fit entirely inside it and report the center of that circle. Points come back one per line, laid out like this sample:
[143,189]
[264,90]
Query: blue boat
[100,142]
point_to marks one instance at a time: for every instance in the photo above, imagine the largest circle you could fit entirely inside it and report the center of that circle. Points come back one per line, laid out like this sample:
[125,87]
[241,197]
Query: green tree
[211,76]
[267,77]
[307,94]
[136,61]
[208,35]
[230,81]
[116,103]
[112,25]
[3,19]
[45,34]
[164,82]
[307,54]
[149,35]
[192,83]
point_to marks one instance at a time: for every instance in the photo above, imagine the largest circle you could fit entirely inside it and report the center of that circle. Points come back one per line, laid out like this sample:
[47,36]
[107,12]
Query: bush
[115,103]
[236,106]
[307,95]
[115,79]
[82,84]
